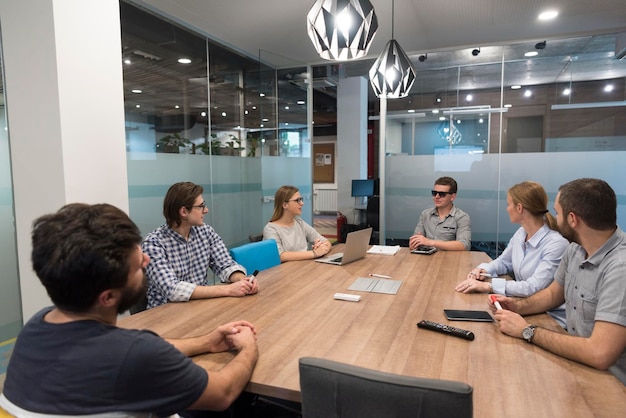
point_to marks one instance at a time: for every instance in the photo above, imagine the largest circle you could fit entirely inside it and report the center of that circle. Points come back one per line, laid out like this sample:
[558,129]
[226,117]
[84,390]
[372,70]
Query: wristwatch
[528,333]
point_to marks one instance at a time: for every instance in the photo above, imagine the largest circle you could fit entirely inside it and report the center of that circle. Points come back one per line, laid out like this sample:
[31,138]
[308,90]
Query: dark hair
[282,195]
[447,181]
[592,200]
[534,199]
[179,195]
[81,251]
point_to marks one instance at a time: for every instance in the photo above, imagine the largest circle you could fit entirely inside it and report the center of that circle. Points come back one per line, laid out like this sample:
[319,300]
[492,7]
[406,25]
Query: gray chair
[333,390]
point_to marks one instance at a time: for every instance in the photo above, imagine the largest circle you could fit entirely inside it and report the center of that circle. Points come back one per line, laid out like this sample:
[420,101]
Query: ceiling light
[137,106]
[286,107]
[540,45]
[300,102]
[548,15]
[184,61]
[566,92]
[469,98]
[476,51]
[516,87]
[411,110]
[435,111]
[531,54]
[224,114]
[423,57]
[137,91]
[438,99]
[392,74]
[608,88]
[528,93]
[245,112]
[127,61]
[203,114]
[340,29]
[442,118]
[481,120]
[508,106]
[177,107]
[261,94]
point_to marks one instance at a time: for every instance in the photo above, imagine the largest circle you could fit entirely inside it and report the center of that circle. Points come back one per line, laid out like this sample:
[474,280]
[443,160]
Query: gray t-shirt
[87,367]
[595,289]
[297,237]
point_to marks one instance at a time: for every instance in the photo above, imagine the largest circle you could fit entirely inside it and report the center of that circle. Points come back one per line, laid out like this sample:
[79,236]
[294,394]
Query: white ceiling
[276,31]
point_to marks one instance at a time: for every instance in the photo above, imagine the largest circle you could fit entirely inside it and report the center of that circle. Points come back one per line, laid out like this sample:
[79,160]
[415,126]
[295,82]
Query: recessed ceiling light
[224,114]
[261,94]
[516,87]
[608,88]
[548,15]
[184,61]
[481,120]
[137,106]
[286,107]
[203,114]
[265,119]
[531,54]
[301,102]
[469,97]
[411,110]
[508,105]
[127,61]
[566,92]
[442,118]
[136,91]
[245,112]
[435,111]
[528,93]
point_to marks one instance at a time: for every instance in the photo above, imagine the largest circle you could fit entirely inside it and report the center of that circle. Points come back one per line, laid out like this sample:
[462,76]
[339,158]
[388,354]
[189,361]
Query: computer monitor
[363,188]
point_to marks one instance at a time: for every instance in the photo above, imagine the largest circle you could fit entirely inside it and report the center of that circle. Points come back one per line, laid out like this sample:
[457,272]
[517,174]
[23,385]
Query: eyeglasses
[299,200]
[441,194]
[201,206]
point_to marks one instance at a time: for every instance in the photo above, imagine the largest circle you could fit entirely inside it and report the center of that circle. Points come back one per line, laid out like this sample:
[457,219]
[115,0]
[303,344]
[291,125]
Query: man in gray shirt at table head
[591,280]
[445,226]
[72,359]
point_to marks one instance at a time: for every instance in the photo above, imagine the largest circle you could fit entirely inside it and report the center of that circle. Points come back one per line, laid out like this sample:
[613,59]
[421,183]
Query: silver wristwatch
[528,333]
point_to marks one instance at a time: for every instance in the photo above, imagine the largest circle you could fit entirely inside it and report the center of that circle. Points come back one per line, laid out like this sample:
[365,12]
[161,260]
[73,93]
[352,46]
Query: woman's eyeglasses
[441,194]
[299,200]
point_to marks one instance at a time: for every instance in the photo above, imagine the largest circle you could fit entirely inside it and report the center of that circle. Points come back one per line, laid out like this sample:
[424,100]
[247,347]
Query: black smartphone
[463,315]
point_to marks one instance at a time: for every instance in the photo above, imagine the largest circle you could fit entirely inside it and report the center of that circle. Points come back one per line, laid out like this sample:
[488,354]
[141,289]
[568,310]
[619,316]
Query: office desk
[296,316]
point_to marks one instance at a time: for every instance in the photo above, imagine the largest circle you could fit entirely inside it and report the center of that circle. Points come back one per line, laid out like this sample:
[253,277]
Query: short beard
[130,297]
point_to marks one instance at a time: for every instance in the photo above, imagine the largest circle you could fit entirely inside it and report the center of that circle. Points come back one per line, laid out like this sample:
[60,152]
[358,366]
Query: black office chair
[372,217]
[336,390]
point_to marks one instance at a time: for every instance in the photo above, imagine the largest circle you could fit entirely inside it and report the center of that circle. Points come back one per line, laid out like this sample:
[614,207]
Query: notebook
[356,246]
[424,249]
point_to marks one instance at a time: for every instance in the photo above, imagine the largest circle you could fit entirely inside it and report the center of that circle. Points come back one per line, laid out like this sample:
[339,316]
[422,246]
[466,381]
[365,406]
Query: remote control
[446,329]
[348,297]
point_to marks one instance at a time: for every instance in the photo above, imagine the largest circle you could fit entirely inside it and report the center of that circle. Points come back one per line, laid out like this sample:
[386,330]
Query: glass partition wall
[197,111]
[499,118]
[10,300]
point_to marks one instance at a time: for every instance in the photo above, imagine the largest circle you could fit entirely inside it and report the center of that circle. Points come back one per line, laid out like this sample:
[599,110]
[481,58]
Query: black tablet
[462,315]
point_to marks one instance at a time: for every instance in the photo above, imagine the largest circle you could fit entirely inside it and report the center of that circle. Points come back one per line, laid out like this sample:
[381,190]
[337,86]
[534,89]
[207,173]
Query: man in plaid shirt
[182,250]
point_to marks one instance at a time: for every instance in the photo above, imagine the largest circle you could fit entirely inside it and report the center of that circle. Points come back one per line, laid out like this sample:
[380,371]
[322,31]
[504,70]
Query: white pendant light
[392,74]
[342,29]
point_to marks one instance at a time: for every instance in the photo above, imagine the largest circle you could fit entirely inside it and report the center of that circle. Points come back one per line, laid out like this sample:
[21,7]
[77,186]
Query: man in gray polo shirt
[591,280]
[445,226]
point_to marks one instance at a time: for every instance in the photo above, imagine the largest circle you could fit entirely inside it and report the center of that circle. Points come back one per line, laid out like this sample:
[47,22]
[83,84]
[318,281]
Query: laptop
[357,243]
[424,249]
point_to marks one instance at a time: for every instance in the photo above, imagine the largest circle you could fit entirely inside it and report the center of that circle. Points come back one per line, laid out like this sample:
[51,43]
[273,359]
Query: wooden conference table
[296,316]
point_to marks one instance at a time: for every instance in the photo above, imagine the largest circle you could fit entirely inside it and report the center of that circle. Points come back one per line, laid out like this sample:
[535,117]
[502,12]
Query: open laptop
[357,243]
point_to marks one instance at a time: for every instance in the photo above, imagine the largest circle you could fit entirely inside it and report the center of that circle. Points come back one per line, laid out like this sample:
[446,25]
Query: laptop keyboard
[337,260]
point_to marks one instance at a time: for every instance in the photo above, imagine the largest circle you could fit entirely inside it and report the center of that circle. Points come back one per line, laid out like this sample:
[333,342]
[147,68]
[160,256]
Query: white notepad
[366,284]
[384,249]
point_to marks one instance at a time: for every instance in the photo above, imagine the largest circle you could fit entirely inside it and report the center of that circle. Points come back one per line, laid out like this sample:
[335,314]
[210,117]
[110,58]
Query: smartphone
[463,315]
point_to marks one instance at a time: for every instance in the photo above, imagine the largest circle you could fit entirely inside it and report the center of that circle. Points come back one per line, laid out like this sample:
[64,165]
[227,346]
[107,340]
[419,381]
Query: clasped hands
[232,336]
[419,239]
[474,283]
[321,247]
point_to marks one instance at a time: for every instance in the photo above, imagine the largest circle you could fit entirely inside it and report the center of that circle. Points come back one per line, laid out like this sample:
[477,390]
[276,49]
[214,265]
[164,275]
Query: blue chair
[259,255]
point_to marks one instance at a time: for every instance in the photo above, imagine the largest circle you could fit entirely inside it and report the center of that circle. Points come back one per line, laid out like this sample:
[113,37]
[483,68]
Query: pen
[485,274]
[253,276]
[495,302]
[380,275]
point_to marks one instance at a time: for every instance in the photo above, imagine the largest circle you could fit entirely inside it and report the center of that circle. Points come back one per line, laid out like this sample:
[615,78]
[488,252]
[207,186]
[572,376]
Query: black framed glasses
[201,206]
[299,200]
[441,194]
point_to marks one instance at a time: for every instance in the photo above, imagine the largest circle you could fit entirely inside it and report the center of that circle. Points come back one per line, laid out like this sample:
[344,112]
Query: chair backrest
[332,390]
[258,255]
[372,211]
[255,237]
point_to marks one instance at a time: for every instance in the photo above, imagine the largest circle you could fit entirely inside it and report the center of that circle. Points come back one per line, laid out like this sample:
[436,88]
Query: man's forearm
[549,298]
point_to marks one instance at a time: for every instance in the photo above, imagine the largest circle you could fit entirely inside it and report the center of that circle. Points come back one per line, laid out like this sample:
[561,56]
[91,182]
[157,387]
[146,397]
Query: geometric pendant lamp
[342,29]
[392,74]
